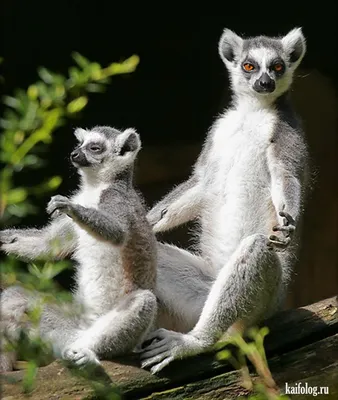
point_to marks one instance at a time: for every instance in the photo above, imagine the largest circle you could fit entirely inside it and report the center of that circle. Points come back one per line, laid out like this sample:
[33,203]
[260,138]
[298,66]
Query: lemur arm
[105,223]
[53,242]
[286,190]
[179,206]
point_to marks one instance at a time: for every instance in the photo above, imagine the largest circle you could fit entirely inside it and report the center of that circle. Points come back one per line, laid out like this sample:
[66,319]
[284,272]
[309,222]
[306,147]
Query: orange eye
[278,67]
[248,67]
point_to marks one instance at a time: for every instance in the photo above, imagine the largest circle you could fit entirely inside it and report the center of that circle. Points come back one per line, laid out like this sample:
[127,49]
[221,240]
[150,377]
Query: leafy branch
[262,385]
[31,117]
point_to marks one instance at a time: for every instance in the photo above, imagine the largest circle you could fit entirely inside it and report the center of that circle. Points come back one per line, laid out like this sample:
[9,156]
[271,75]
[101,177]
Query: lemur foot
[280,243]
[167,346]
[58,205]
[80,356]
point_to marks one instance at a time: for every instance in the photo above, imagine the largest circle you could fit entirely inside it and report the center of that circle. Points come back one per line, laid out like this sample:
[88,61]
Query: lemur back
[103,227]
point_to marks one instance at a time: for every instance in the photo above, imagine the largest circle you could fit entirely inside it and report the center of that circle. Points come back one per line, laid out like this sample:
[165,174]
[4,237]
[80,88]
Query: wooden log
[302,345]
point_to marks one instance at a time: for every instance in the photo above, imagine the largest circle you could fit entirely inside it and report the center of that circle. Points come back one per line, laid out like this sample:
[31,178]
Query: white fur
[240,142]
[100,275]
[289,41]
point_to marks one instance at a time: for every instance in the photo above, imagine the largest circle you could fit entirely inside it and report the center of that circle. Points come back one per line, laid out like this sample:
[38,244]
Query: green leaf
[17,195]
[12,102]
[45,75]
[95,88]
[82,61]
[35,270]
[125,67]
[29,378]
[33,92]
[77,104]
[31,160]
[50,270]
[8,124]
[20,210]
[264,331]
[54,182]
[223,355]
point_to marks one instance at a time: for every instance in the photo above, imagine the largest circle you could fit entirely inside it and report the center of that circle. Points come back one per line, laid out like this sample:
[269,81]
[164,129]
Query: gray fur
[103,227]
[247,192]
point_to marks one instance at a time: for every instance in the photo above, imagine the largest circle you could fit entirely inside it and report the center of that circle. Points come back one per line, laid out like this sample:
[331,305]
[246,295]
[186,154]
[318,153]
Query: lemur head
[103,152]
[262,66]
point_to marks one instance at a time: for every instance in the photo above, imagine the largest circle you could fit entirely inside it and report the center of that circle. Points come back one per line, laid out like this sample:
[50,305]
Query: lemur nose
[75,154]
[266,82]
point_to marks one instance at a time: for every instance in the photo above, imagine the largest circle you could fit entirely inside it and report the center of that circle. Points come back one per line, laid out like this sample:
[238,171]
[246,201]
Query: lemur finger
[288,217]
[163,212]
[59,197]
[285,228]
[160,366]
[158,334]
[154,352]
[154,345]
[57,205]
[55,214]
[278,241]
[155,360]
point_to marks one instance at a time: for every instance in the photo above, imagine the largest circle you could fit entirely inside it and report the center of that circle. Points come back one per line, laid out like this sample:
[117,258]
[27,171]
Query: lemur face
[105,150]
[262,66]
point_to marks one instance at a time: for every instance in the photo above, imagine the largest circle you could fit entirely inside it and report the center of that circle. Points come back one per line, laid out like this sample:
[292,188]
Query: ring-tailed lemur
[104,227]
[247,191]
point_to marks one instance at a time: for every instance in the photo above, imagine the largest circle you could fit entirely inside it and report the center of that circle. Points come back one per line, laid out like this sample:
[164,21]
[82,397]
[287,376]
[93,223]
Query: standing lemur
[246,190]
[104,227]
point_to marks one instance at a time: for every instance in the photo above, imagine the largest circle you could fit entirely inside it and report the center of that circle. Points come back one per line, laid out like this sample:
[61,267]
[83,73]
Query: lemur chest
[99,269]
[239,148]
[90,196]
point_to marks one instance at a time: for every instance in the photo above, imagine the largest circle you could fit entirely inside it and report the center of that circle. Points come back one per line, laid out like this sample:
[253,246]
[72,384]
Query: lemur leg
[13,306]
[183,283]
[56,326]
[117,332]
[245,290]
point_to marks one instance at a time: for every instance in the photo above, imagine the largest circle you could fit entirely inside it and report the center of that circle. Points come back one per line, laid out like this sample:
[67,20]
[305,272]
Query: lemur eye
[248,67]
[95,147]
[278,67]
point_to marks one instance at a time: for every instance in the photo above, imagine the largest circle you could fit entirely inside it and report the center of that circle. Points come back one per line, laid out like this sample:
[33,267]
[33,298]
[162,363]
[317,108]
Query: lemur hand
[58,205]
[154,216]
[279,243]
[8,236]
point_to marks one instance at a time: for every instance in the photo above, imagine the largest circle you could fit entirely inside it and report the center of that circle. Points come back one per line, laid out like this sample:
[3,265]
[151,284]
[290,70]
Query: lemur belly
[100,278]
[239,200]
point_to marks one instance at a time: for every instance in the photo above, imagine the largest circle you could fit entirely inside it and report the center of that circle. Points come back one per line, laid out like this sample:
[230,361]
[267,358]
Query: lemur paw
[80,356]
[8,236]
[58,205]
[154,217]
[280,242]
[167,346]
[289,224]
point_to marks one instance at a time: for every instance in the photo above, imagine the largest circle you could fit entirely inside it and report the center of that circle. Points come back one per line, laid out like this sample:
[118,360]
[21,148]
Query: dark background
[176,92]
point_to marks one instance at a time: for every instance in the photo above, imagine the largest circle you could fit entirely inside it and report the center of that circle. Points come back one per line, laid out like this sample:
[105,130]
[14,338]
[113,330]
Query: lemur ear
[129,142]
[80,134]
[229,46]
[294,44]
